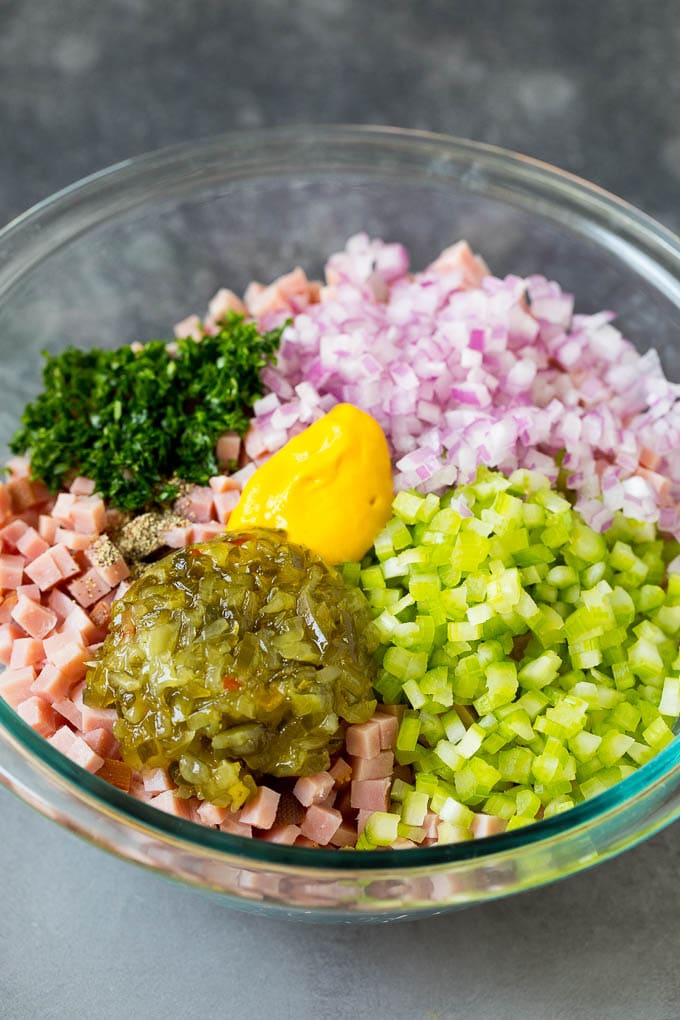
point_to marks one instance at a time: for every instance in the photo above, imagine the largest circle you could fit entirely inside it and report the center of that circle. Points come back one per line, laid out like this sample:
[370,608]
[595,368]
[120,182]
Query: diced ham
[99,718]
[38,715]
[157,781]
[26,652]
[11,570]
[117,773]
[285,835]
[44,570]
[225,502]
[649,459]
[60,603]
[341,772]
[344,835]
[172,804]
[5,504]
[29,591]
[379,767]
[67,654]
[64,561]
[487,825]
[76,541]
[210,814]
[362,740]
[459,257]
[260,811]
[103,743]
[304,841]
[197,504]
[69,711]
[320,823]
[223,302]
[228,449]
[31,545]
[371,794]
[80,626]
[38,621]
[52,683]
[63,739]
[15,685]
[88,514]
[24,494]
[89,588]
[61,511]
[178,537]
[243,474]
[9,633]
[100,613]
[13,532]
[362,817]
[189,327]
[233,825]
[47,528]
[81,486]
[223,483]
[7,604]
[313,789]
[389,727]
[113,573]
[206,532]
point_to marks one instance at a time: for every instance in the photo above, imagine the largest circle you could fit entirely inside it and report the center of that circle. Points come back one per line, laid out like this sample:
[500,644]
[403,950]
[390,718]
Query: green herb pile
[133,421]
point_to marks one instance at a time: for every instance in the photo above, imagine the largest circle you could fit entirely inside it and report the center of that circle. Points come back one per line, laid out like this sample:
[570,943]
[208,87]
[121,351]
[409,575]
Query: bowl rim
[592,201]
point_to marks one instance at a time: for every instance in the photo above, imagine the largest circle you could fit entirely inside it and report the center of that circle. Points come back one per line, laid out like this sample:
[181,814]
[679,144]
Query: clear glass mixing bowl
[126,253]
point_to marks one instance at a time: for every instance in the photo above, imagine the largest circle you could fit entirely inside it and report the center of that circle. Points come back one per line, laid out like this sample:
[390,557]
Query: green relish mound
[538,659]
[236,658]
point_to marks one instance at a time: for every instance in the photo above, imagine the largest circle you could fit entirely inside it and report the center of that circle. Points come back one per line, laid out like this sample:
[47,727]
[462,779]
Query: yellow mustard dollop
[329,488]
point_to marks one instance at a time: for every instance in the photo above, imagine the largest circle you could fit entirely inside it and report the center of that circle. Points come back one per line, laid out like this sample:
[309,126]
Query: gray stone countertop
[592,87]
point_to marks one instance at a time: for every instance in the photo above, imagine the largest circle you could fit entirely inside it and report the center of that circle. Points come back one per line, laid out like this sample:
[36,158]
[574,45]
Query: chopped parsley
[133,422]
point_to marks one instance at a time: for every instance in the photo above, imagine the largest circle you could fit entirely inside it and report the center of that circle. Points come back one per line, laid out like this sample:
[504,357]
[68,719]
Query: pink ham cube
[26,652]
[313,789]
[89,588]
[172,804]
[260,811]
[88,515]
[15,685]
[47,528]
[38,715]
[285,835]
[211,814]
[38,621]
[371,794]
[12,533]
[68,654]
[379,767]
[225,502]
[11,570]
[363,740]
[31,545]
[320,823]
[64,561]
[81,486]
[51,683]
[44,571]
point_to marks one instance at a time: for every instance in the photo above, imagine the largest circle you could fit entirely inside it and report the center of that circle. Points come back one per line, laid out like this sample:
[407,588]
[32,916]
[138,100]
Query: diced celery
[409,731]
[406,506]
[381,828]
[449,833]
[414,808]
[515,763]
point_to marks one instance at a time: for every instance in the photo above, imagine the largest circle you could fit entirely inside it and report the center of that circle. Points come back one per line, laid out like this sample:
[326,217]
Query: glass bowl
[129,251]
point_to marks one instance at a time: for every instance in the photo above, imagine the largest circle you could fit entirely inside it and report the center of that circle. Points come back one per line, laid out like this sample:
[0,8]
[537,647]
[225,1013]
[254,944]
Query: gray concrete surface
[593,87]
